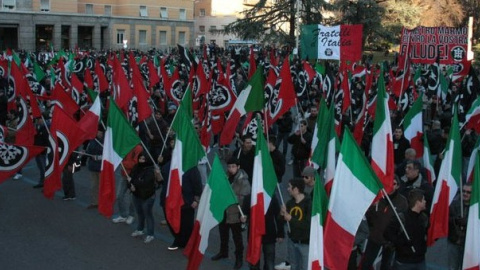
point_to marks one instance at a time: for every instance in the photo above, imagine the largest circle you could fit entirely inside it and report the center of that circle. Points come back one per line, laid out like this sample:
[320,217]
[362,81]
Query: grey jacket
[241,188]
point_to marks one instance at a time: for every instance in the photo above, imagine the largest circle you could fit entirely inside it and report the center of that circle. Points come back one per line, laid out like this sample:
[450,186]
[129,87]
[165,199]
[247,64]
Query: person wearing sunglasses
[457,227]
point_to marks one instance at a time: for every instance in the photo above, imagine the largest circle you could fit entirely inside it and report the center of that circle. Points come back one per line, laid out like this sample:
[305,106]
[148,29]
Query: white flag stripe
[358,196]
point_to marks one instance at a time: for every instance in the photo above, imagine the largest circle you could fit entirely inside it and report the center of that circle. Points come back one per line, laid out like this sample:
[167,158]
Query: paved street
[37,233]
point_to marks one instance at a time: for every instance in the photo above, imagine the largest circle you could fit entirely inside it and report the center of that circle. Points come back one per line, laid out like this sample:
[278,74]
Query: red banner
[425,44]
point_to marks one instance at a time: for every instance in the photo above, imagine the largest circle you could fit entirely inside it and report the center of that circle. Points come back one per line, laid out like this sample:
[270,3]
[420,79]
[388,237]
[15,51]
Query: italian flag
[471,163]
[471,256]
[89,122]
[355,180]
[120,139]
[264,182]
[448,181]
[319,213]
[250,99]
[186,154]
[324,144]
[413,123]
[382,143]
[339,42]
[472,118]
[428,161]
[216,197]
[320,135]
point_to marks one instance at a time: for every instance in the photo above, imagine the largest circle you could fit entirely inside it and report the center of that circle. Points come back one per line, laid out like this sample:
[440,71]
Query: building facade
[99,24]
[214,15]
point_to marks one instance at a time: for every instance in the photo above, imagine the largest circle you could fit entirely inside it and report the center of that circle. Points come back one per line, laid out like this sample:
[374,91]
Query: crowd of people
[394,228]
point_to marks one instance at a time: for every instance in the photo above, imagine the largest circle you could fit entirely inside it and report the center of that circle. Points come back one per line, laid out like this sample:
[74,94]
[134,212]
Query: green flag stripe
[222,193]
[355,160]
[267,164]
[380,107]
[256,98]
[192,150]
[457,151]
[320,200]
[416,108]
[124,136]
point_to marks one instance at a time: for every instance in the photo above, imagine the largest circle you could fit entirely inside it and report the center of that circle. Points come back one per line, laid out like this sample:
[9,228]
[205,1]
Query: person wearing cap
[172,110]
[308,175]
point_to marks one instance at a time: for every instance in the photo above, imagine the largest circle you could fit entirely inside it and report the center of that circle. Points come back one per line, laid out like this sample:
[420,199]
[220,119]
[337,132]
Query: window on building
[213,27]
[163,12]
[202,12]
[183,14]
[9,4]
[45,5]
[120,36]
[142,37]
[108,10]
[201,28]
[181,38]
[163,38]
[89,8]
[143,11]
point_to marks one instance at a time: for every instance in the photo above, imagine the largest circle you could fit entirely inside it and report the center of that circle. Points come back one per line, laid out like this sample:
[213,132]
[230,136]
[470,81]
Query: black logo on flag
[12,157]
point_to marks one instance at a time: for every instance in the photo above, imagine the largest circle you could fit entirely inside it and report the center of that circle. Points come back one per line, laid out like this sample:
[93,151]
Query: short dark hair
[246,136]
[272,139]
[298,183]
[413,196]
[233,160]
[416,164]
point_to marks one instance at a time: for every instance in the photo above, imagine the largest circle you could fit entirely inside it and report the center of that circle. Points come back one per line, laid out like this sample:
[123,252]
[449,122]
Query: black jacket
[416,225]
[143,179]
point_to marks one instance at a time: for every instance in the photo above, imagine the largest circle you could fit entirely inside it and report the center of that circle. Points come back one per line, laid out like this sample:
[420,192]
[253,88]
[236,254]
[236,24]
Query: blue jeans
[144,213]
[297,255]
[124,199]
[410,266]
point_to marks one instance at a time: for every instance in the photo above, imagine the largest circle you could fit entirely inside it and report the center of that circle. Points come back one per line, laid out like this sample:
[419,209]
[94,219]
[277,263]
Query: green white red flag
[428,161]
[471,256]
[186,154]
[355,180]
[250,99]
[472,118]
[319,214]
[324,144]
[471,163]
[382,141]
[89,122]
[413,126]
[264,181]
[120,139]
[446,188]
[217,196]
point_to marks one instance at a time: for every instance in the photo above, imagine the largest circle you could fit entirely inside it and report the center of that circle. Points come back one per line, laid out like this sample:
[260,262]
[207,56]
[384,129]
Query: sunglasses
[467,192]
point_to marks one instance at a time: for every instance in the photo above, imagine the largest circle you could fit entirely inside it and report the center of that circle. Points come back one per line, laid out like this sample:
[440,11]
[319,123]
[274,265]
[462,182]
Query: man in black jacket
[278,159]
[301,142]
[411,250]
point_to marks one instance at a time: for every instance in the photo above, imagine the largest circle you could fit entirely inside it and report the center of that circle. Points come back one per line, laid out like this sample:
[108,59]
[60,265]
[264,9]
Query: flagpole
[398,217]
[283,203]
[404,67]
